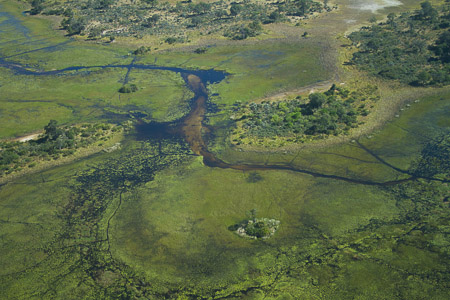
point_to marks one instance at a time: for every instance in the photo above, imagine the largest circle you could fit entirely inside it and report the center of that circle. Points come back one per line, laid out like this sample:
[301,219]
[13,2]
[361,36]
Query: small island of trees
[55,142]
[333,112]
[256,228]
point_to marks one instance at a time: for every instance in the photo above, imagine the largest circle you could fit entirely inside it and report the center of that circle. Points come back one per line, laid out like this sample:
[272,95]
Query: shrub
[128,88]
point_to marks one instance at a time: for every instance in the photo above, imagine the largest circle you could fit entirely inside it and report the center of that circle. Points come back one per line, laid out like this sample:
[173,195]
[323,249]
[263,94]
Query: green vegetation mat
[366,218]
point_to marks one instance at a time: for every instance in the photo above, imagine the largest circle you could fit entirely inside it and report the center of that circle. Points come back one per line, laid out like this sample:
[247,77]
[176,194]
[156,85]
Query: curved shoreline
[192,129]
[385,111]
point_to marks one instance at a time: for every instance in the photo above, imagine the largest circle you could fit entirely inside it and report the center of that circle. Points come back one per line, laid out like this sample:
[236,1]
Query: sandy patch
[374,5]
[28,137]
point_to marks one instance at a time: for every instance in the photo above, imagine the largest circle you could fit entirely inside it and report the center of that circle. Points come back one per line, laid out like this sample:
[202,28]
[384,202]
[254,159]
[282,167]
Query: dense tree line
[237,20]
[56,141]
[413,48]
[332,112]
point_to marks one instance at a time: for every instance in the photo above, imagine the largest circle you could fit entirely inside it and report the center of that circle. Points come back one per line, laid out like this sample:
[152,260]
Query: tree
[128,88]
[427,11]
[195,21]
[51,130]
[442,47]
[274,17]
[37,7]
[423,78]
[235,9]
[102,4]
[73,25]
[316,100]
[151,2]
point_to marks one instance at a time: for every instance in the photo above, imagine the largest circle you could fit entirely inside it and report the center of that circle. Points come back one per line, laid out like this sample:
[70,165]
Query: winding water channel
[140,220]
[191,127]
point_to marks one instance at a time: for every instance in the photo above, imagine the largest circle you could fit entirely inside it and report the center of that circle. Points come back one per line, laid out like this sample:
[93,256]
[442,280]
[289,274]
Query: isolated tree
[316,100]
[235,9]
[51,130]
[427,11]
[37,7]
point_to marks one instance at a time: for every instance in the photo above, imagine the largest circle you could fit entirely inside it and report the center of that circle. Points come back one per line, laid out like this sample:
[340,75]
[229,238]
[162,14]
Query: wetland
[365,216]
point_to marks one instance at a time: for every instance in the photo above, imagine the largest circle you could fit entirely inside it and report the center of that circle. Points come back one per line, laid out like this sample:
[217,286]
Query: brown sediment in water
[192,129]
[192,124]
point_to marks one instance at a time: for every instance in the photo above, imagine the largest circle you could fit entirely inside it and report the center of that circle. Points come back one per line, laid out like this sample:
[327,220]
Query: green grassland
[395,145]
[266,66]
[109,225]
[29,102]
[150,220]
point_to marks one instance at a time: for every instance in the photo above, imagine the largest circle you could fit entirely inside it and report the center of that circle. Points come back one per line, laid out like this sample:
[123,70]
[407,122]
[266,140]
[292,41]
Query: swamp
[277,166]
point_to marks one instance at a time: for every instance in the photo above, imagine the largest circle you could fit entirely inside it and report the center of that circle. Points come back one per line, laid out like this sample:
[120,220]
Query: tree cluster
[128,88]
[332,112]
[413,48]
[54,142]
[100,18]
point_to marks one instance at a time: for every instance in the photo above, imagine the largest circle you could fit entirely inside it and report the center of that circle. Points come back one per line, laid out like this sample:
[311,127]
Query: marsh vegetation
[367,217]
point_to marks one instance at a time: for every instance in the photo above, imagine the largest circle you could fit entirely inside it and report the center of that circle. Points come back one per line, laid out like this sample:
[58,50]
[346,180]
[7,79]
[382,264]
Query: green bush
[128,88]
[331,112]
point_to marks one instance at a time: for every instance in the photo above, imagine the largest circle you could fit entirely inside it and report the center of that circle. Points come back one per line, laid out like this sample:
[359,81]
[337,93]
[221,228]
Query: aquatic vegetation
[367,218]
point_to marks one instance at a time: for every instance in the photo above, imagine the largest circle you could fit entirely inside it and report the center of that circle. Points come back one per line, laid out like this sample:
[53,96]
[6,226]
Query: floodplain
[363,218]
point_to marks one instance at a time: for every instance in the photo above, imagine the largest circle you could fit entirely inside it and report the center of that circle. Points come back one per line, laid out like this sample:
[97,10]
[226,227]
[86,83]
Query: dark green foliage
[254,177]
[428,12]
[151,2]
[412,48]
[141,50]
[301,7]
[151,21]
[54,142]
[201,50]
[172,40]
[324,113]
[241,32]
[434,159]
[128,88]
[442,47]
[274,17]
[258,229]
[150,17]
[73,25]
[235,9]
[37,6]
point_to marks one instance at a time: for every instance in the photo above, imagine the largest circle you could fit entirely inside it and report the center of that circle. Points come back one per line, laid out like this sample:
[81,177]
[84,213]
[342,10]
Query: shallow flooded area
[365,219]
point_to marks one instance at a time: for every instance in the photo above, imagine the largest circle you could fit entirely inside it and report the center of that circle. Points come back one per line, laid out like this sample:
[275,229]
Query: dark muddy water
[191,128]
